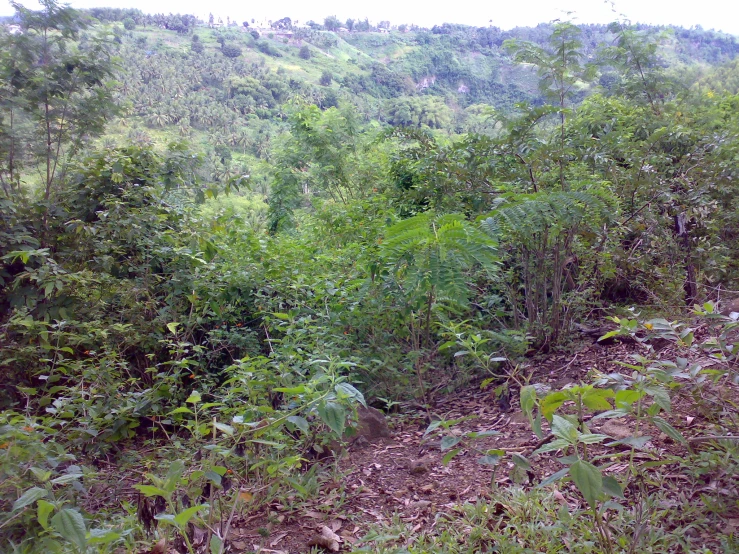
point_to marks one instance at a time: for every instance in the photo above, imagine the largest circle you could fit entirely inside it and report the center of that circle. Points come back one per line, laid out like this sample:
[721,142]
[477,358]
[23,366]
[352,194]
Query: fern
[428,256]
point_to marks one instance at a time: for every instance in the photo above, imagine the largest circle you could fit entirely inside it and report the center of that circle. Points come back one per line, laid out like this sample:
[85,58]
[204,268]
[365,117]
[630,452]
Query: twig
[714,438]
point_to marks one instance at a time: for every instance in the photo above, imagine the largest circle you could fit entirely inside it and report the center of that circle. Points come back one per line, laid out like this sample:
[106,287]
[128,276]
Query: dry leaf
[335,525]
[246,496]
[277,539]
[327,540]
[160,547]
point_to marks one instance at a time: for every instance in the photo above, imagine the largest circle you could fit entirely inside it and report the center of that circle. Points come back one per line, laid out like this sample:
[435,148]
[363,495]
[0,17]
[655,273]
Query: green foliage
[231,50]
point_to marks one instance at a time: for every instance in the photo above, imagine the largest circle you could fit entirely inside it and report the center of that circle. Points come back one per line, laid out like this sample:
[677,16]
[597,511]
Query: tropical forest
[355,286]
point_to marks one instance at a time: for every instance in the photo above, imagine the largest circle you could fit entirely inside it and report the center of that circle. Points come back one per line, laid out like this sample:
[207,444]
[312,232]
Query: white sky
[710,14]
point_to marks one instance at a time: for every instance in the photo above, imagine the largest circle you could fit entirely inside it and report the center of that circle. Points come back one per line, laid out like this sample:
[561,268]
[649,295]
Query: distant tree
[129,24]
[402,27]
[210,19]
[245,24]
[196,46]
[255,34]
[305,52]
[231,50]
[362,26]
[331,23]
[284,23]
[326,78]
[350,24]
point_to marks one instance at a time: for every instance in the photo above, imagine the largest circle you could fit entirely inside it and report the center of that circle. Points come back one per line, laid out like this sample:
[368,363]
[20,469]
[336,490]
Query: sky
[720,15]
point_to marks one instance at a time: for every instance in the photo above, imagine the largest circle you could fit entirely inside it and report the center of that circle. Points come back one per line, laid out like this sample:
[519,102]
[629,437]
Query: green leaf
[551,402]
[528,399]
[557,444]
[564,429]
[194,398]
[449,442]
[661,397]
[521,462]
[70,525]
[290,390]
[597,399]
[626,397]
[345,389]
[554,477]
[612,487]
[148,490]
[216,544]
[43,512]
[64,479]
[102,536]
[213,477]
[334,416]
[669,430]
[488,460]
[636,442]
[174,474]
[185,516]
[449,455]
[181,410]
[592,438]
[29,497]
[173,327]
[299,422]
[433,425]
[588,479]
[223,428]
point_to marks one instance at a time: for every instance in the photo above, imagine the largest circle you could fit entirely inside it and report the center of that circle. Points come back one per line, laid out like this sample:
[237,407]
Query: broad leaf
[334,416]
[299,422]
[554,477]
[449,442]
[528,399]
[588,479]
[29,497]
[612,487]
[449,455]
[185,516]
[669,430]
[70,525]
[350,391]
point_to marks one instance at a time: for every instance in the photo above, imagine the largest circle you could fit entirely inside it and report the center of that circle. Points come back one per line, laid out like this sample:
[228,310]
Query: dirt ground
[403,475]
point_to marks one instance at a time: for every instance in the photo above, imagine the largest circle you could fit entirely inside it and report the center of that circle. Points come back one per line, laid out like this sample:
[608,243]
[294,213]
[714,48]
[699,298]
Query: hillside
[336,288]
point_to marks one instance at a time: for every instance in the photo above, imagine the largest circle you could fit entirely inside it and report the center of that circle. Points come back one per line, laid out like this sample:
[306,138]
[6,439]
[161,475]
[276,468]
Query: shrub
[129,24]
[326,78]
[305,52]
[230,50]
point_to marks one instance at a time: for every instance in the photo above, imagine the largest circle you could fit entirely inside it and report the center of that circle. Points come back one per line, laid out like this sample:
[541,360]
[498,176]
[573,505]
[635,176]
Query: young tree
[58,84]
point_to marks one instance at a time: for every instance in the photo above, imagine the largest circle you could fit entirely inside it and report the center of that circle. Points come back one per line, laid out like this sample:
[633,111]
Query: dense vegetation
[212,240]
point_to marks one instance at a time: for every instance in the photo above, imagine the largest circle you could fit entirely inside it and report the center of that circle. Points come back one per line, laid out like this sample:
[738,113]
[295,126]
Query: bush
[129,24]
[267,48]
[326,78]
[230,50]
[305,52]
[254,34]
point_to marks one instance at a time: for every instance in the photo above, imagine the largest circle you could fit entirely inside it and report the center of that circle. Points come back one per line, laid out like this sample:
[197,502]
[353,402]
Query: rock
[371,424]
[730,307]
[617,430]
